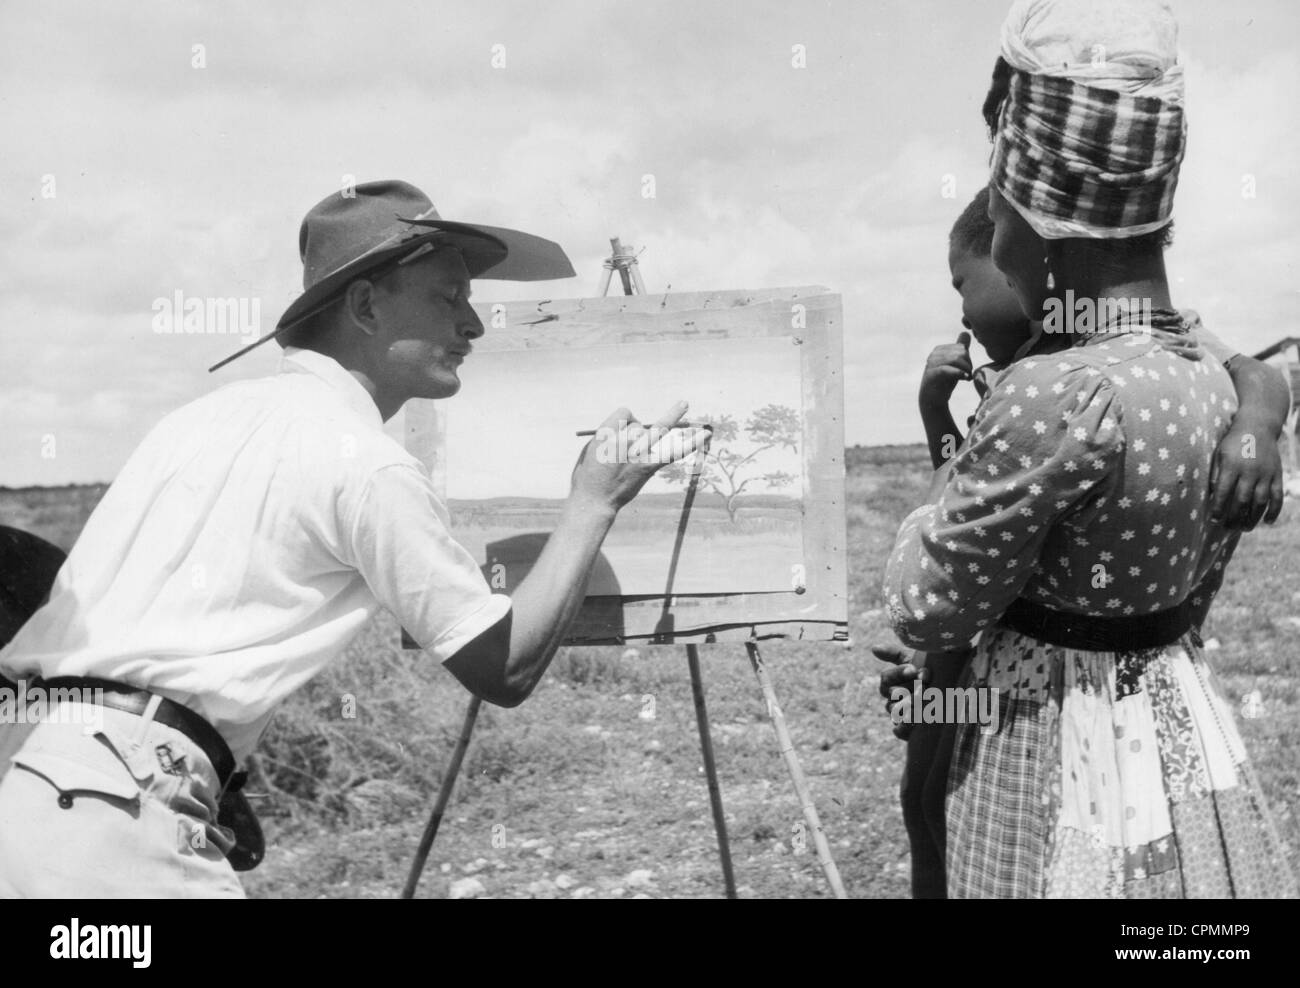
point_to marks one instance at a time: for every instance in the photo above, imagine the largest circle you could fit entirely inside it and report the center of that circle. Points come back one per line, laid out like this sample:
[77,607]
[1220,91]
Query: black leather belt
[118,696]
[233,809]
[1133,633]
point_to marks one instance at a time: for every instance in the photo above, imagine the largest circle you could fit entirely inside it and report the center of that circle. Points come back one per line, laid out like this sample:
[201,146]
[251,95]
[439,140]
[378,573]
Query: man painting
[252,535]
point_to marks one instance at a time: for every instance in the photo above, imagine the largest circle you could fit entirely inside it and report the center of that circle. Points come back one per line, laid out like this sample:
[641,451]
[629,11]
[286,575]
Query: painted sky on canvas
[509,436]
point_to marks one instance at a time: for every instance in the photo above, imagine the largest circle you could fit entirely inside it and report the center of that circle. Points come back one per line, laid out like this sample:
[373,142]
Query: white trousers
[98,803]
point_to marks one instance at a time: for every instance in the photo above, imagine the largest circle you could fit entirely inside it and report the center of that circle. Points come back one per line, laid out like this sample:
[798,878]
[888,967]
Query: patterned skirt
[1105,775]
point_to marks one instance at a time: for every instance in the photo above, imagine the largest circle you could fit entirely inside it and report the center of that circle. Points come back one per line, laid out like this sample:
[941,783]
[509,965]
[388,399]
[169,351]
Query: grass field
[594,788]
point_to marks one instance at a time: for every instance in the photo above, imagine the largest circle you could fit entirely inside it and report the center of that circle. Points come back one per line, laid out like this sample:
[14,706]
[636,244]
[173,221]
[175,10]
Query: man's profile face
[426,325]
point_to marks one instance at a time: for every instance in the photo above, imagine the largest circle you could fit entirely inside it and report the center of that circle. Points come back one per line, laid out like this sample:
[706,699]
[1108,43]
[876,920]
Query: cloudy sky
[130,172]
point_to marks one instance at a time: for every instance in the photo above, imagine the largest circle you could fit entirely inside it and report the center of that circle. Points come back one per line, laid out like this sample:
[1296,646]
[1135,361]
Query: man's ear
[359,306]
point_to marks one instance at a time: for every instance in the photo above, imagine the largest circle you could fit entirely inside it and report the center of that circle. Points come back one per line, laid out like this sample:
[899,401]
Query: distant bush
[56,514]
[909,455]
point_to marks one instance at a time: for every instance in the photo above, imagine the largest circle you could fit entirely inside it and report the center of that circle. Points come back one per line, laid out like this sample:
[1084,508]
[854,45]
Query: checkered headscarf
[1085,161]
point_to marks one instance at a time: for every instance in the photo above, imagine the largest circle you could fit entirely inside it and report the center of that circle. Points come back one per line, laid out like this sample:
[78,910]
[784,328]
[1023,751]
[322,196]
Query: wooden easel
[791,760]
[624,261]
[710,773]
[773,711]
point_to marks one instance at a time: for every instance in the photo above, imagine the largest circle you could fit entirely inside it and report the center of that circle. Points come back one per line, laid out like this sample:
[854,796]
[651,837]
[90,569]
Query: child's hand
[946,365]
[1246,477]
[904,675]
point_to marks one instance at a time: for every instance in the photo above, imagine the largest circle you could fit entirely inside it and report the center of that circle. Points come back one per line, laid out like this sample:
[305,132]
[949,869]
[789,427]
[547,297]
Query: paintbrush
[680,425]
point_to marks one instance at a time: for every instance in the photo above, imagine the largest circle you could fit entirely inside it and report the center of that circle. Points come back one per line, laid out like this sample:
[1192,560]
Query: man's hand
[947,364]
[624,454]
[504,664]
[1246,476]
[903,675]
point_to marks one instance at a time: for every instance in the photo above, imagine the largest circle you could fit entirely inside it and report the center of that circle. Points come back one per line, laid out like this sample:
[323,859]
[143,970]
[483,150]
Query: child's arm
[941,434]
[946,365]
[1247,471]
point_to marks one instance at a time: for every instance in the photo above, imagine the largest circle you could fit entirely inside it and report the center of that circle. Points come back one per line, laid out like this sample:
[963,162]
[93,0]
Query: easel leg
[796,772]
[710,769]
[444,796]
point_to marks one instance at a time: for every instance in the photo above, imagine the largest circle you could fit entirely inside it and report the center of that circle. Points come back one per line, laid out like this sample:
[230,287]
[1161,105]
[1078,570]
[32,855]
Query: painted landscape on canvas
[511,447]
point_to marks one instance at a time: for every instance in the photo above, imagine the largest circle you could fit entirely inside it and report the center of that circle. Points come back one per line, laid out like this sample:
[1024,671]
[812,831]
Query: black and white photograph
[651,450]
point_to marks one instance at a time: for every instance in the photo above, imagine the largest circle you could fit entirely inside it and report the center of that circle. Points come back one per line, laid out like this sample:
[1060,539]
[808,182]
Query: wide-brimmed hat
[358,229]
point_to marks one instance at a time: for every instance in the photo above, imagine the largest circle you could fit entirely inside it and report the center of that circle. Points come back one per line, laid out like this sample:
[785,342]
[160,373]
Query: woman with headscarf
[1073,530]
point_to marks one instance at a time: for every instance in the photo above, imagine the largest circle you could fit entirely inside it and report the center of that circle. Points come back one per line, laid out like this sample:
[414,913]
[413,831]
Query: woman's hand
[903,675]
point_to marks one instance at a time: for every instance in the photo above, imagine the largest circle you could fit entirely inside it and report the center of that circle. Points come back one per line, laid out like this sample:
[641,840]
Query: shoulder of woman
[1052,379]
[1038,400]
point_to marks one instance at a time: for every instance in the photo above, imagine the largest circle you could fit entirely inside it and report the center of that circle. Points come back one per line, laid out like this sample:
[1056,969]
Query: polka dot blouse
[1083,486]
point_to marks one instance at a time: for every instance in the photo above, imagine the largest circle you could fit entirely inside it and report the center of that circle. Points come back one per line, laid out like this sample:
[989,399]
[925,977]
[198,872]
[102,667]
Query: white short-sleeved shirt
[243,545]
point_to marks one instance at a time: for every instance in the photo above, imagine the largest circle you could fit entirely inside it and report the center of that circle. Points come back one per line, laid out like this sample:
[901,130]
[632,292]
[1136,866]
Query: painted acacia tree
[731,465]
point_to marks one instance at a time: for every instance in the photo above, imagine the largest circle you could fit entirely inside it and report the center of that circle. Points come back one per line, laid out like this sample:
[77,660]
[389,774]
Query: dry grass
[578,792]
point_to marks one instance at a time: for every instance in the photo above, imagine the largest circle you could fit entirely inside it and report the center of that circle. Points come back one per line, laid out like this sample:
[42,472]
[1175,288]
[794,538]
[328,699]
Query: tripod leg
[444,796]
[796,772]
[710,769]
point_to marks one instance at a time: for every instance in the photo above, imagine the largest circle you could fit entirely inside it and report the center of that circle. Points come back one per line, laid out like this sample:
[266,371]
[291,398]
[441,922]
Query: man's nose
[470,326]
[965,322]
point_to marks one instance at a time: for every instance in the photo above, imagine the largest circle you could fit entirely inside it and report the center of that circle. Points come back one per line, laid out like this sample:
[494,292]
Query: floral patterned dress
[1084,487]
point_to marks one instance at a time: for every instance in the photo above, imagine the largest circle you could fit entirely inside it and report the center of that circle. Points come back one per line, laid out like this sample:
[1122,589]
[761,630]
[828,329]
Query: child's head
[990,309]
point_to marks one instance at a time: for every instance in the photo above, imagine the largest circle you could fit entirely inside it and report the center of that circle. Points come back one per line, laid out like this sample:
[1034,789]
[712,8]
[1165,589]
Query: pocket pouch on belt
[235,813]
[94,769]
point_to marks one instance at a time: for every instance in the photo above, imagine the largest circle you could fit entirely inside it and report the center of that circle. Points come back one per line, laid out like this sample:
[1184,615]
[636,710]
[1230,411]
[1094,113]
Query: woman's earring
[1051,279]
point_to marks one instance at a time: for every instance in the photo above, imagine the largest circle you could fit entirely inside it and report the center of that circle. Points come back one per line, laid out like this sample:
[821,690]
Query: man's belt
[233,809]
[131,700]
[1133,633]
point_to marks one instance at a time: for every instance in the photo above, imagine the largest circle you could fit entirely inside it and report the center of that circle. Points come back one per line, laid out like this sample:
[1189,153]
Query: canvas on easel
[742,541]
[760,553]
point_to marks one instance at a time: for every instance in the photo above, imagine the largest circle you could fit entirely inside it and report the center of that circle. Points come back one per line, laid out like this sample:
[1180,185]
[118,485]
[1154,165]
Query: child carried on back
[992,314]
